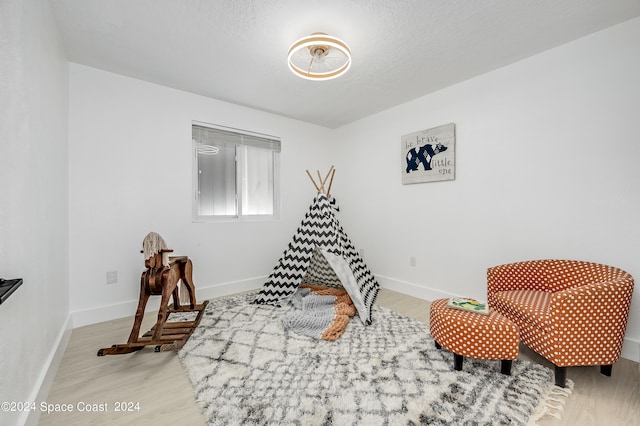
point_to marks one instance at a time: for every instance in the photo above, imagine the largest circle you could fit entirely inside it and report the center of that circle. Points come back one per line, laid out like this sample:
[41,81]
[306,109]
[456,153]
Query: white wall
[130,172]
[547,167]
[546,153]
[33,198]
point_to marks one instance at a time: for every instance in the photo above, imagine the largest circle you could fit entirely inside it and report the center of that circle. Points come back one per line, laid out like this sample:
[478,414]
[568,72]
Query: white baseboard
[630,347]
[411,289]
[631,350]
[47,374]
[233,287]
[103,313]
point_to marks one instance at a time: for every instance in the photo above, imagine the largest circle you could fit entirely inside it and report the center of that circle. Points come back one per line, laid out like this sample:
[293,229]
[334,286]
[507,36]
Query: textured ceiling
[236,50]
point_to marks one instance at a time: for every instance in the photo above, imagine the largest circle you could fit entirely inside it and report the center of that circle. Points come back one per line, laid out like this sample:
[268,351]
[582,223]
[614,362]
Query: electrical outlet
[412,261]
[112,277]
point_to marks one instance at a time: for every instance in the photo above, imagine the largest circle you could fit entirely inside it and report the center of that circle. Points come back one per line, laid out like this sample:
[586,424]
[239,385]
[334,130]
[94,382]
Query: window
[236,173]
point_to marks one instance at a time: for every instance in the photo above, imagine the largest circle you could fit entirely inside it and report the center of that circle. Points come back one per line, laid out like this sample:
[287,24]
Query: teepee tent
[321,253]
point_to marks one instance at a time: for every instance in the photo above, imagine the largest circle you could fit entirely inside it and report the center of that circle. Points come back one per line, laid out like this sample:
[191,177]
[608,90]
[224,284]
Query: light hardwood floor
[158,383]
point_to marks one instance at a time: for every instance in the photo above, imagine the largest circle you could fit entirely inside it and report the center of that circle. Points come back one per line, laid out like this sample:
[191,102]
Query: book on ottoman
[469,305]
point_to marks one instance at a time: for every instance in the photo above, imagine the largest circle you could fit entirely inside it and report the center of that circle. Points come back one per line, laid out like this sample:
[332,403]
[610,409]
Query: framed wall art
[429,155]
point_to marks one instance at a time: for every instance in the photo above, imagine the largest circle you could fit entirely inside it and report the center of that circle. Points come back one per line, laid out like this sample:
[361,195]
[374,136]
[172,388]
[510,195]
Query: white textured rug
[247,369]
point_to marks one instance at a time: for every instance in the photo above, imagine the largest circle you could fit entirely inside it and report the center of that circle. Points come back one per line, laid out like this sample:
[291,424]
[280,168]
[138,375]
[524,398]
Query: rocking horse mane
[153,243]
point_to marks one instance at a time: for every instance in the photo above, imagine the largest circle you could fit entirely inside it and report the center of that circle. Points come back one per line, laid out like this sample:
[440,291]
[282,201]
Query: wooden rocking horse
[161,278]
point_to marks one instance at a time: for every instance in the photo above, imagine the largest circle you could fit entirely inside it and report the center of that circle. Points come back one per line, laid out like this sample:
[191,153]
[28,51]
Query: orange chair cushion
[526,305]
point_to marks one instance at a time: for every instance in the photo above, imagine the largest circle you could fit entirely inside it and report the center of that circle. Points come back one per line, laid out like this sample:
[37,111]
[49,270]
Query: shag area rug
[247,369]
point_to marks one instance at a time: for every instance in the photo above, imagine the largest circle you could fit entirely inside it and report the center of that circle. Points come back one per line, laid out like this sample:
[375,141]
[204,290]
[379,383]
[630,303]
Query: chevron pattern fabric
[303,261]
[320,271]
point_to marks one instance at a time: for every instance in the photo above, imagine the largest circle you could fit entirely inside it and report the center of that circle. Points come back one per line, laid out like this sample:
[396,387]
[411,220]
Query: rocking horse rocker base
[173,336]
[163,281]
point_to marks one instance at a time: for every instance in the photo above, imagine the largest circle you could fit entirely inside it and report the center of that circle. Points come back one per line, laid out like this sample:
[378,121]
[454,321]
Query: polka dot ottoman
[474,335]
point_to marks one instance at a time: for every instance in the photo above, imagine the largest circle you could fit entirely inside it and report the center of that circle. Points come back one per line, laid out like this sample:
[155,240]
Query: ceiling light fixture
[319,57]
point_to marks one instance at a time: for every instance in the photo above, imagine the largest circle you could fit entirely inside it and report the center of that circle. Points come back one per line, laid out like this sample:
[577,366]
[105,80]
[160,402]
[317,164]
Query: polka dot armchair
[573,313]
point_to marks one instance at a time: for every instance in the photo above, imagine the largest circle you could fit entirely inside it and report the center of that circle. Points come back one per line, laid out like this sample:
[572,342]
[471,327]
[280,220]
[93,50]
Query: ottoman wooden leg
[606,369]
[457,362]
[505,367]
[561,376]
[437,345]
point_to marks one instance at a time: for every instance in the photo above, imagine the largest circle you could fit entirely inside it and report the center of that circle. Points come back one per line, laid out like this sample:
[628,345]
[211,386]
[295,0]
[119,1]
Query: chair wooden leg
[505,367]
[457,362]
[561,376]
[606,370]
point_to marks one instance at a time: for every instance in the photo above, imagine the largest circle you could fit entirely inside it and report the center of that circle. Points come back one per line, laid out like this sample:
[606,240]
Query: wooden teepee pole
[314,182]
[327,176]
[333,172]
[321,188]
[321,181]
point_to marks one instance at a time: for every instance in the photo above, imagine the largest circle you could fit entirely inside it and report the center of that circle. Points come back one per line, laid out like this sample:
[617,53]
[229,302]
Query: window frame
[238,170]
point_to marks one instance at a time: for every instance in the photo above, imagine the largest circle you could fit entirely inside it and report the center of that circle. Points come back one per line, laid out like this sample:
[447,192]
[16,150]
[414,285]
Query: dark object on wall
[429,155]
[7,287]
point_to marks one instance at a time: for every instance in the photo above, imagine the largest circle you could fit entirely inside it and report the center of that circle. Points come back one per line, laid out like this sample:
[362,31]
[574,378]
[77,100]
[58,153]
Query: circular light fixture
[319,57]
